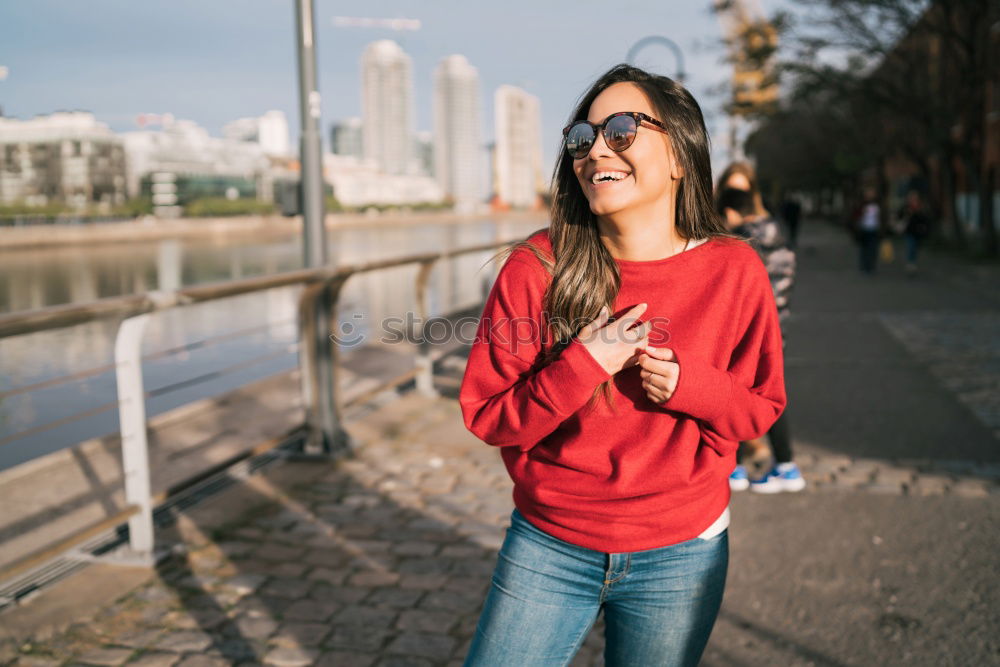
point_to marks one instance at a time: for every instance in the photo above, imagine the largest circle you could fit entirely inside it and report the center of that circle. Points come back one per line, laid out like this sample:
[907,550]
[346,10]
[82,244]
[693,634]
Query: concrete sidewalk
[887,558]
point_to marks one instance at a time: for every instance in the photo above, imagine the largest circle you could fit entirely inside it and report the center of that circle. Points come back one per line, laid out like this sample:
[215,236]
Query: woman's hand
[660,372]
[614,345]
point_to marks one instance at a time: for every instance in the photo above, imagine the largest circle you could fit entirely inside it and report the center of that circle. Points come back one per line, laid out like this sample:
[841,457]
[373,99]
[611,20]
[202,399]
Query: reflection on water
[262,326]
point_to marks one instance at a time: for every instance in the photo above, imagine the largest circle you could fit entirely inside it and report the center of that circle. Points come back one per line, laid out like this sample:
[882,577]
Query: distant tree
[891,78]
[221,207]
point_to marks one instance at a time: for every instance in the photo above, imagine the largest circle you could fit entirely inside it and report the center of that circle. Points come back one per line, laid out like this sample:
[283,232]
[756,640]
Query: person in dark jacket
[791,210]
[739,211]
[917,223]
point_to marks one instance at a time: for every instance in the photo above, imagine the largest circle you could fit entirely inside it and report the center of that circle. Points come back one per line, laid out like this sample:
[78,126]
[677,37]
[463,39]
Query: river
[255,333]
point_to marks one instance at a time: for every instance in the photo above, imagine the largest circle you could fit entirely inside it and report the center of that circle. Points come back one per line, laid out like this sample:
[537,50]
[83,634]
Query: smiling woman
[619,446]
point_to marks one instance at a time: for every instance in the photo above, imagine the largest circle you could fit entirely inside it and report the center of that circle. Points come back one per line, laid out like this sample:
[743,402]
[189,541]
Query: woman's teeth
[608,176]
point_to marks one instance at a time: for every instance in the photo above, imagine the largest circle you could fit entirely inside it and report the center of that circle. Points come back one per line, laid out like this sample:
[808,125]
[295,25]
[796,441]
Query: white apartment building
[387,107]
[182,161]
[358,183]
[66,157]
[269,131]
[518,147]
[458,164]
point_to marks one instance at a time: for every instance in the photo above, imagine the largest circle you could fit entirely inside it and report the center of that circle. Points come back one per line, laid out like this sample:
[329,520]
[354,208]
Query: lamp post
[324,434]
[310,146]
[666,41]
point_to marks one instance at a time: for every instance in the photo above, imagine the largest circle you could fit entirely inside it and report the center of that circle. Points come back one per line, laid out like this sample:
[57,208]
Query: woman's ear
[676,170]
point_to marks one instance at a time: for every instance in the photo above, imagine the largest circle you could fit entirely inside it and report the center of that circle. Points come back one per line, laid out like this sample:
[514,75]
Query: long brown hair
[585,276]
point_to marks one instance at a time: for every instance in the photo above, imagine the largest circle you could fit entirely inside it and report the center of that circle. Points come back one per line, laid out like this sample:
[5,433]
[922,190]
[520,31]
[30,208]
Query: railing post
[424,362]
[132,424]
[319,366]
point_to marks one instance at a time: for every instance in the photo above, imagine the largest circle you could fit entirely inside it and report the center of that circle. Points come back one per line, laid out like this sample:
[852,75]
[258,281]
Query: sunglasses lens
[579,140]
[620,132]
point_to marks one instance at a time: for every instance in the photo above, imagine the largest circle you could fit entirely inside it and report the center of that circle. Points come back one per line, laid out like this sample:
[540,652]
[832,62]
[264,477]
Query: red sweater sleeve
[742,401]
[505,401]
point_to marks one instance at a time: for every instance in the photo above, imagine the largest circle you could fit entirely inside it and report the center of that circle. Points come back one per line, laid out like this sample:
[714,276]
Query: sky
[212,61]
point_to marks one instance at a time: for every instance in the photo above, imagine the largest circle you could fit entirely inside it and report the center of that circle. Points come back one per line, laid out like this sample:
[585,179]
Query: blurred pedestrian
[619,439]
[745,215]
[916,224]
[741,175]
[868,225]
[791,209]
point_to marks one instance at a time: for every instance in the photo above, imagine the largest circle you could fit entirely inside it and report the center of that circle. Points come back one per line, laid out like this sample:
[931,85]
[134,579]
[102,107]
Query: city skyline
[213,65]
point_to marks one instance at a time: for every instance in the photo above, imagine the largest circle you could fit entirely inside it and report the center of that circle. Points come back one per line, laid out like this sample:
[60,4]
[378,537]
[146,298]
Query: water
[258,331]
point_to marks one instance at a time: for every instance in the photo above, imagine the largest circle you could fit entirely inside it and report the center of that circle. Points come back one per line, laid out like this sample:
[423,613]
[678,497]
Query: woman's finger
[657,388]
[654,392]
[639,336]
[657,367]
[661,353]
[657,398]
[629,318]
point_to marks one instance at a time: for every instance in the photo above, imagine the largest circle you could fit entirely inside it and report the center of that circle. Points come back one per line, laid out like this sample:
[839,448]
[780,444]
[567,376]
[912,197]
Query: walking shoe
[738,479]
[782,477]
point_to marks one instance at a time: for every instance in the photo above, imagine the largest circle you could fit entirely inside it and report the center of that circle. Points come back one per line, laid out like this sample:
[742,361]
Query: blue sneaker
[782,477]
[738,479]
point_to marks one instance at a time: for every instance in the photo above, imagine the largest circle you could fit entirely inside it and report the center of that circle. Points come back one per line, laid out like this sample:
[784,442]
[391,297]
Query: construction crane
[398,24]
[752,41]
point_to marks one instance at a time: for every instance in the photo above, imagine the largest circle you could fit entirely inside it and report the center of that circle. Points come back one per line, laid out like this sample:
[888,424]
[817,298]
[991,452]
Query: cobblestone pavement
[385,558]
[962,350]
[910,477]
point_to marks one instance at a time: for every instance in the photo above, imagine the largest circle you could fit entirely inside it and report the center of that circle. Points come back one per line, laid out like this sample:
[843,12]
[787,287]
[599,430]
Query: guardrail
[96,371]
[318,363]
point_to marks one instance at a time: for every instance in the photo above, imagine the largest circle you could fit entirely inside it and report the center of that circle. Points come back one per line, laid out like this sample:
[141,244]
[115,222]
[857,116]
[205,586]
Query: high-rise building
[518,151]
[67,157]
[387,107]
[269,130]
[346,138]
[458,163]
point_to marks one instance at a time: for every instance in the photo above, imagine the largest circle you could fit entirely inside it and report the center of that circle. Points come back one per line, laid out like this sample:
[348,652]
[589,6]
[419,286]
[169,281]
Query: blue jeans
[659,604]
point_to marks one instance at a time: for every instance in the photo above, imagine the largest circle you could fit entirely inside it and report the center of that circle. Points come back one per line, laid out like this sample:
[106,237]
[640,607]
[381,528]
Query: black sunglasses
[619,131]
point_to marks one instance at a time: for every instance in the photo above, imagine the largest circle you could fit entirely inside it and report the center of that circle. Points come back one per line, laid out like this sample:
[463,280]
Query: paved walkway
[888,557]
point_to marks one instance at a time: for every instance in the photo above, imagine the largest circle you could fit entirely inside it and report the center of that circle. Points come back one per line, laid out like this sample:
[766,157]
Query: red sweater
[647,475]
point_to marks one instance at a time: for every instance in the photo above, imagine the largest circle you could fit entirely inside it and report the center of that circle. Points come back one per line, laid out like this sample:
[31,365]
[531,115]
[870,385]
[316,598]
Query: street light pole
[310,147]
[325,435]
[666,41]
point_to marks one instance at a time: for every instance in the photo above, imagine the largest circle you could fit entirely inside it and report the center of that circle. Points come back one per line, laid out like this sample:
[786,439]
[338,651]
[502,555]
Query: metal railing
[318,364]
[97,371]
